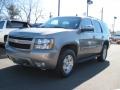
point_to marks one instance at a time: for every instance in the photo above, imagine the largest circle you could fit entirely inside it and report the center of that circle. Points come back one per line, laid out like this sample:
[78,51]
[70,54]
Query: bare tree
[2,3]
[30,8]
[13,11]
[38,13]
[4,6]
[26,8]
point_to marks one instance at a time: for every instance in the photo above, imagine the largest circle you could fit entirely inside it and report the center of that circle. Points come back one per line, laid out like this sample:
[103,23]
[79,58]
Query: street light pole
[114,24]
[87,8]
[58,7]
[102,14]
[88,3]
[50,15]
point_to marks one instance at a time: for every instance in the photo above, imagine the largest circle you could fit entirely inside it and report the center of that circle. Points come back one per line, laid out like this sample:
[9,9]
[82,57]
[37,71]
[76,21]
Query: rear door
[98,36]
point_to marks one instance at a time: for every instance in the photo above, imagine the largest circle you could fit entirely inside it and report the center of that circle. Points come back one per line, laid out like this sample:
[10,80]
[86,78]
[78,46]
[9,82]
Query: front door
[86,40]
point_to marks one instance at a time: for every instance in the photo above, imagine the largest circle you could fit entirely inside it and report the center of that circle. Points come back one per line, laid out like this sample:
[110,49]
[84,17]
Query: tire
[118,42]
[66,63]
[103,54]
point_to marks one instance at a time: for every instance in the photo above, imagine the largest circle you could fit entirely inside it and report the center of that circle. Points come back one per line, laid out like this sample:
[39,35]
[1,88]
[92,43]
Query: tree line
[24,10]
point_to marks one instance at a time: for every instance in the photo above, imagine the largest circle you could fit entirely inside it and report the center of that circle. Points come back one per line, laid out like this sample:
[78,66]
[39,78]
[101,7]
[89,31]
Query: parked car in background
[115,38]
[7,26]
[59,44]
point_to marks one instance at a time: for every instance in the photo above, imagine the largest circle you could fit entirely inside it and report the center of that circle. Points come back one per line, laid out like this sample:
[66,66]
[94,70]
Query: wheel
[118,42]
[66,63]
[103,54]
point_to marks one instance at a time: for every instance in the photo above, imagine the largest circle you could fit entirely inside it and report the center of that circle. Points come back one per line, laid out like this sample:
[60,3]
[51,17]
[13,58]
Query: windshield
[63,22]
[1,24]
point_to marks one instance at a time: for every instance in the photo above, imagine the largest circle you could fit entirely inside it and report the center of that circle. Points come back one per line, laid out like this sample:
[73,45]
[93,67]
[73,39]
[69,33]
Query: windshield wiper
[52,27]
[57,27]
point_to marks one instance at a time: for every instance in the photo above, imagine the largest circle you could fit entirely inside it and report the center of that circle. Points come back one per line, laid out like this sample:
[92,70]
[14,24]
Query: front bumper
[44,59]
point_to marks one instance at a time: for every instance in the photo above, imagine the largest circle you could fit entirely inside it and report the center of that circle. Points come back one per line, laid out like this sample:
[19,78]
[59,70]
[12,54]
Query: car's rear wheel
[66,63]
[118,42]
[103,53]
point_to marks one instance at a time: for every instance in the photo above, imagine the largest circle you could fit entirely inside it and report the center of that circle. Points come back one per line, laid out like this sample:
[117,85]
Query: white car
[7,26]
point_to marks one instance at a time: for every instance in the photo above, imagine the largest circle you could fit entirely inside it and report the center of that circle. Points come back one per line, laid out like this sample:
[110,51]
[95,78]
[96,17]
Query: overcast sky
[73,7]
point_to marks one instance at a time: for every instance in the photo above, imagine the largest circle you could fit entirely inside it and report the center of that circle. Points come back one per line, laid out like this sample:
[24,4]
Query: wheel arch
[72,46]
[106,43]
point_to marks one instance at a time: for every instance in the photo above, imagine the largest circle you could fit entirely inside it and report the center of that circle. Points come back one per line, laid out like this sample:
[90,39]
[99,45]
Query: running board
[86,59]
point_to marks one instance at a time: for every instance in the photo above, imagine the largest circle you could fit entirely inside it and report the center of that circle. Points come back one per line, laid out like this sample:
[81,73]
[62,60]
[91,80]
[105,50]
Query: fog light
[38,64]
[43,64]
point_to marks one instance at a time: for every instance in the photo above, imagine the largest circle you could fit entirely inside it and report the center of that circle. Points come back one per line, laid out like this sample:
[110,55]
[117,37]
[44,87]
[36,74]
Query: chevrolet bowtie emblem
[16,41]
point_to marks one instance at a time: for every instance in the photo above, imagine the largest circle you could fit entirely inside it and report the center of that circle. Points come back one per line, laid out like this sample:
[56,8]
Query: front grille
[21,46]
[20,42]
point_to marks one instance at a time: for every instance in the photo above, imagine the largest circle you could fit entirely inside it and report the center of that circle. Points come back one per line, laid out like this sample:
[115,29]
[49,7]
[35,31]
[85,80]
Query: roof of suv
[81,17]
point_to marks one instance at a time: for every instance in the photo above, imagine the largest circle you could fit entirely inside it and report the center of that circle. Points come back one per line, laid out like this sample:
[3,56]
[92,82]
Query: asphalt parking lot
[90,75]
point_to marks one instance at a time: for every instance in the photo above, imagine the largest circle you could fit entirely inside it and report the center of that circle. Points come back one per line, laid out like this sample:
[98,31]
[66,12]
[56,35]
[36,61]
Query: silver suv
[59,44]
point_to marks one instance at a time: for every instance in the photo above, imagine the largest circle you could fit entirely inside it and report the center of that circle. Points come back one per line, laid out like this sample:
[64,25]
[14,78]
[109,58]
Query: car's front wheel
[66,63]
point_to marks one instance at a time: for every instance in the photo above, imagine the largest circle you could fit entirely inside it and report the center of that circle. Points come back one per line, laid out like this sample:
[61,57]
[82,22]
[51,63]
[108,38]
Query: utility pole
[58,7]
[50,15]
[114,24]
[88,3]
[102,14]
[87,9]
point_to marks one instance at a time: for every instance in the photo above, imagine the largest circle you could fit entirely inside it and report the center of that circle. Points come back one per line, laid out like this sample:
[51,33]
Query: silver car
[59,44]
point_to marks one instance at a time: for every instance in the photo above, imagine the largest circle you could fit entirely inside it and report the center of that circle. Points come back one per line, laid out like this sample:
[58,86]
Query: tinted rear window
[13,24]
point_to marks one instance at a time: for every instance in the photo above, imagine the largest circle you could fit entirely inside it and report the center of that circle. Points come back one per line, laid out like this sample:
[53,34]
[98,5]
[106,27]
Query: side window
[13,24]
[54,22]
[16,25]
[25,25]
[97,26]
[85,22]
[104,27]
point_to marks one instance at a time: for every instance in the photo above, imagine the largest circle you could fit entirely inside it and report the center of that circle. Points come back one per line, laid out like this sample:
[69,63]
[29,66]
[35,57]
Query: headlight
[44,43]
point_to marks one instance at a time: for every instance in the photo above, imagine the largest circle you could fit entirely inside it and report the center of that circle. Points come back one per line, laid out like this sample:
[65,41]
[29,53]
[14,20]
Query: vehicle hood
[39,31]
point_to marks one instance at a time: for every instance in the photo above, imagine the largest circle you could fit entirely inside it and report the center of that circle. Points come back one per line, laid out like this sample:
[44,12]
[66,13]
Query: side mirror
[87,28]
